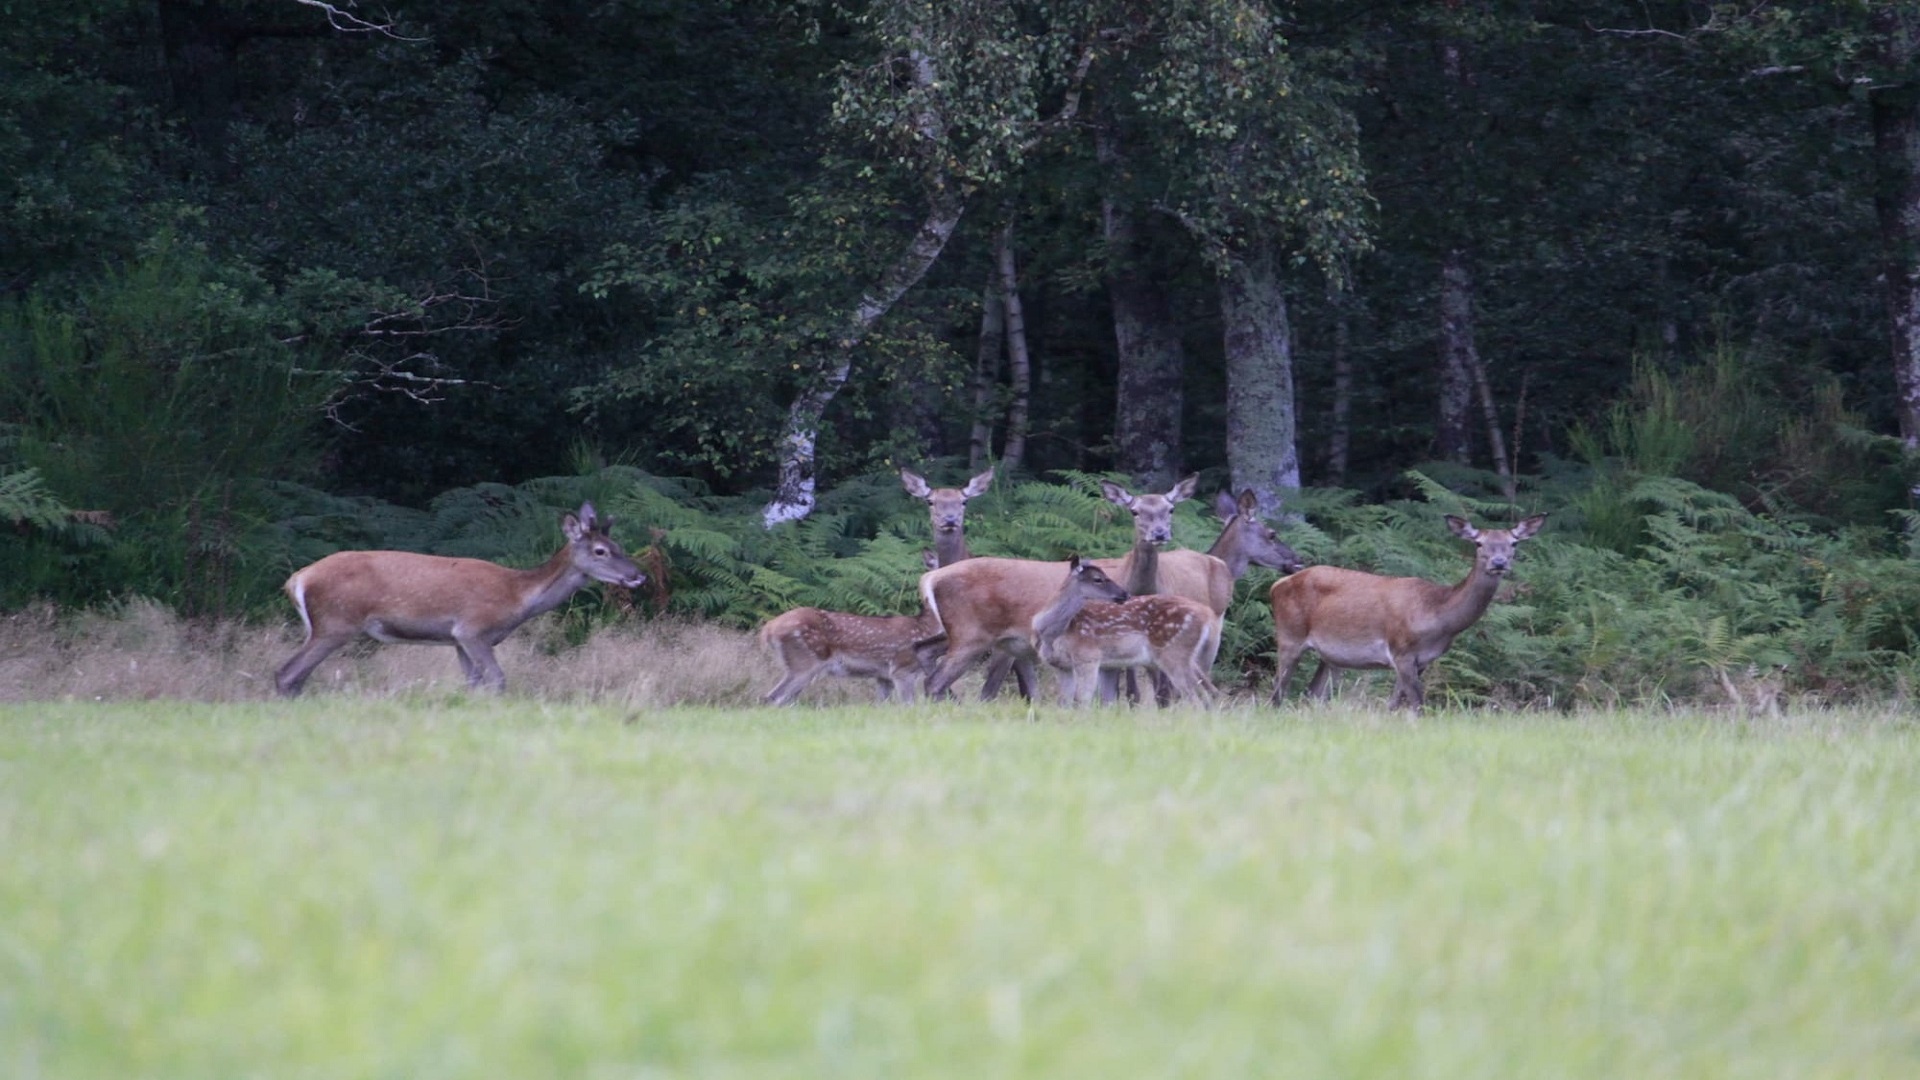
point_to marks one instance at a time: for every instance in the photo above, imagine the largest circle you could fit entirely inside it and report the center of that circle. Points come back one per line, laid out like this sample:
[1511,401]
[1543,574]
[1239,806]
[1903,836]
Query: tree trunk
[986,371]
[1262,448]
[1151,360]
[1340,426]
[1452,435]
[1896,159]
[202,47]
[793,496]
[1019,364]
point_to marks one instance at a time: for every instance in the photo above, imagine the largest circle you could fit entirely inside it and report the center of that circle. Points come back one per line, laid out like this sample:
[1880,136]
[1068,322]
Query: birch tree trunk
[1019,363]
[793,496]
[1262,428]
[1452,433]
[1152,363]
[986,371]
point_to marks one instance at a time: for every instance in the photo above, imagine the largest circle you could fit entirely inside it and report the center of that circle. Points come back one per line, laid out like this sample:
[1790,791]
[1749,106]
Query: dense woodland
[278,277]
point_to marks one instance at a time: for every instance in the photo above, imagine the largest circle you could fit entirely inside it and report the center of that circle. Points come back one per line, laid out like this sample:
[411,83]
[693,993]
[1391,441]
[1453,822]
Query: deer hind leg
[1286,661]
[790,686]
[292,676]
[958,659]
[1005,660]
[1321,686]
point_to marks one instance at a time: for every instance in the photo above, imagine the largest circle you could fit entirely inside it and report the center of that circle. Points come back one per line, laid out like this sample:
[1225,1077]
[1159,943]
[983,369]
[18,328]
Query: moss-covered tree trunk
[1262,428]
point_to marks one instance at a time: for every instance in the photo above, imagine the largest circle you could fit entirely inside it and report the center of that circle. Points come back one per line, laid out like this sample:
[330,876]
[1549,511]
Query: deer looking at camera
[988,603]
[1360,620]
[401,597]
[948,510]
[892,650]
[1091,625]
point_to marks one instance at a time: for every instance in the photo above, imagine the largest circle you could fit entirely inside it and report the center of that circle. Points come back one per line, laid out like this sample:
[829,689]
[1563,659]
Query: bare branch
[349,23]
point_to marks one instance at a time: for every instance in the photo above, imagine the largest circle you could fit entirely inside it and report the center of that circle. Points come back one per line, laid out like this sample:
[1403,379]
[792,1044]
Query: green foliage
[159,401]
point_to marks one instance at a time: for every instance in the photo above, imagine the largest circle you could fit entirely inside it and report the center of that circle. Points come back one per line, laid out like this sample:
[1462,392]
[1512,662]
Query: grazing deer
[1359,620]
[893,650]
[401,597]
[1173,635]
[948,507]
[985,603]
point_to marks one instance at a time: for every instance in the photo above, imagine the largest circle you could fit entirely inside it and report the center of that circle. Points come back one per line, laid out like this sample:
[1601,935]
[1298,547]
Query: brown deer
[1360,620]
[402,597]
[893,650]
[1139,572]
[1091,625]
[986,602]
[948,508]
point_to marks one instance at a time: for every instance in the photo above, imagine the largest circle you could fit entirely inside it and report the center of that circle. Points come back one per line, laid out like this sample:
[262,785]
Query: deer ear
[915,484]
[572,527]
[1224,506]
[1530,526]
[978,486]
[1116,494]
[1249,504]
[1184,489]
[928,559]
[1073,561]
[1462,528]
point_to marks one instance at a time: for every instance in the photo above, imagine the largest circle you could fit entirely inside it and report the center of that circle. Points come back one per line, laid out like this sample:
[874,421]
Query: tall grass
[352,886]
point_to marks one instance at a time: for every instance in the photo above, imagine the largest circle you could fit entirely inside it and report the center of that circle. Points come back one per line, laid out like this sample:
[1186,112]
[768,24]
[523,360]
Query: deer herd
[1092,621]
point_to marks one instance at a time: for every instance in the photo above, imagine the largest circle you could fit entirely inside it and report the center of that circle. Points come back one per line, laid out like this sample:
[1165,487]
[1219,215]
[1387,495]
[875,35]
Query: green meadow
[444,887]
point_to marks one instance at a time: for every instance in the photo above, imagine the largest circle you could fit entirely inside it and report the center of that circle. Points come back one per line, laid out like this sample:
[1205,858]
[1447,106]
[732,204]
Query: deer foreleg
[476,659]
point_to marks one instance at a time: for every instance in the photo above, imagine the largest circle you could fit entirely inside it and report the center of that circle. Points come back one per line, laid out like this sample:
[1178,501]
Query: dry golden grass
[143,651]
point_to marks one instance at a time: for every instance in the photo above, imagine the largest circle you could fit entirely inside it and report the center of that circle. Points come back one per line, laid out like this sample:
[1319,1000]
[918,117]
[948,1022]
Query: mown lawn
[446,888]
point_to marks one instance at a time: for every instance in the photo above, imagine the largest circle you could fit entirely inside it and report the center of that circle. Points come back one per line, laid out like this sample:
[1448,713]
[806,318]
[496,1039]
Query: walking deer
[893,650]
[986,602]
[948,508]
[1359,620]
[401,597]
[1091,625]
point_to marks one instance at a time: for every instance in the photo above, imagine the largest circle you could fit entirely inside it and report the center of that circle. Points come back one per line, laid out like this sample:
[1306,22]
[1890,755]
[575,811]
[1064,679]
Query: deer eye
[600,550]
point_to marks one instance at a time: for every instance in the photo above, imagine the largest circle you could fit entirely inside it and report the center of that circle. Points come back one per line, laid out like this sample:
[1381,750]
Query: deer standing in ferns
[947,508]
[1360,620]
[989,603]
[1091,625]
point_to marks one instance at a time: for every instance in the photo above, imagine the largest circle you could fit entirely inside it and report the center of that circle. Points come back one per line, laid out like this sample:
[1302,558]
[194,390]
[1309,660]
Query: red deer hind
[1359,620]
[401,597]
[948,509]
[1091,625]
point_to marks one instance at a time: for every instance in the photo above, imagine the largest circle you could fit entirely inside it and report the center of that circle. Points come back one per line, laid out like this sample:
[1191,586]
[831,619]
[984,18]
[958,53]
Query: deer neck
[1053,619]
[1229,547]
[1467,601]
[950,547]
[547,586]
[1140,573]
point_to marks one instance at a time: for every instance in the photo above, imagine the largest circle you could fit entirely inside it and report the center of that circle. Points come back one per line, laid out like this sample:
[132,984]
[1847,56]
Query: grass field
[438,887]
